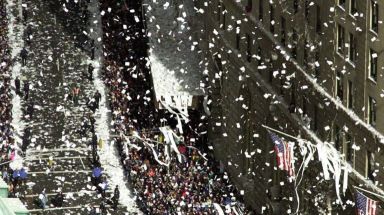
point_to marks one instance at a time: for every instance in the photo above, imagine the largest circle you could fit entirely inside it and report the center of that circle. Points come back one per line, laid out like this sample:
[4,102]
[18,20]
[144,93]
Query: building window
[237,37]
[294,43]
[271,18]
[340,39]
[304,105]
[342,3]
[348,149]
[261,9]
[306,11]
[249,44]
[306,52]
[352,48]
[370,162]
[374,16]
[372,111]
[219,11]
[337,135]
[282,31]
[350,95]
[318,19]
[248,8]
[315,118]
[259,58]
[224,17]
[339,86]
[317,62]
[295,6]
[373,65]
[353,7]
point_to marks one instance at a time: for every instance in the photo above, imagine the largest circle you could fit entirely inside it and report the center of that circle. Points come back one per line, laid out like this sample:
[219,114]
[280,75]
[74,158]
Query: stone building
[308,68]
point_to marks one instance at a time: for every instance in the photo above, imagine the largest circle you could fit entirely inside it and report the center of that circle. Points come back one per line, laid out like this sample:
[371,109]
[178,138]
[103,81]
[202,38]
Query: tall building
[308,68]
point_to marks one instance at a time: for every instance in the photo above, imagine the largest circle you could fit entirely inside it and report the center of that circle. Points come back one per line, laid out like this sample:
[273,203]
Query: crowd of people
[8,145]
[198,184]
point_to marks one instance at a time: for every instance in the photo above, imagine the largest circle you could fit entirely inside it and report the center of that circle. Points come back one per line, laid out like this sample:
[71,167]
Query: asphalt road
[56,63]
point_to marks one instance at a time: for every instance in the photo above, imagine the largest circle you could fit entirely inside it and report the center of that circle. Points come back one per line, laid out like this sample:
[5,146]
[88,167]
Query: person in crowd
[116,197]
[103,208]
[58,200]
[42,200]
[102,187]
[17,85]
[30,109]
[97,98]
[24,55]
[97,173]
[26,89]
[90,72]
[76,94]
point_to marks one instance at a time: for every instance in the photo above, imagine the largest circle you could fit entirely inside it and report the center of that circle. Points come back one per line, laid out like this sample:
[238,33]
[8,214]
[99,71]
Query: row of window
[344,145]
[374,12]
[352,53]
[343,142]
[340,90]
[352,44]
[372,106]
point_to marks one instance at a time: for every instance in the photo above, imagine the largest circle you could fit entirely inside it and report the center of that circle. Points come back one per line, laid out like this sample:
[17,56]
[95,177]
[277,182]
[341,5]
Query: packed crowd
[197,185]
[8,147]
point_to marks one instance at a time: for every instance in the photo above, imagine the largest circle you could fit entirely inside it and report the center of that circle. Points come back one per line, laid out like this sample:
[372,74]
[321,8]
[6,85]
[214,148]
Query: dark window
[283,39]
[249,45]
[294,43]
[372,111]
[340,39]
[224,17]
[306,52]
[370,169]
[271,18]
[306,12]
[219,11]
[350,95]
[237,37]
[315,118]
[373,65]
[304,105]
[248,8]
[374,16]
[317,62]
[342,3]
[337,137]
[260,58]
[353,7]
[295,6]
[261,9]
[339,86]
[348,148]
[352,48]
[318,19]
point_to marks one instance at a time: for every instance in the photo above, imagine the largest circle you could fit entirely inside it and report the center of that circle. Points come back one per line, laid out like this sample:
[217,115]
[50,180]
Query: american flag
[365,205]
[284,153]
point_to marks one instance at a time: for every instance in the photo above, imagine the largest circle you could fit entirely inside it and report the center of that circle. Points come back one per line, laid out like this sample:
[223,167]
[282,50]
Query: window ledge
[373,32]
[352,16]
[341,7]
[341,55]
[372,80]
[351,63]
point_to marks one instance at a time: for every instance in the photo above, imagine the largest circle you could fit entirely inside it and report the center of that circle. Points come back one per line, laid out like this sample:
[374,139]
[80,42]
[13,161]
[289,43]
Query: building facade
[295,65]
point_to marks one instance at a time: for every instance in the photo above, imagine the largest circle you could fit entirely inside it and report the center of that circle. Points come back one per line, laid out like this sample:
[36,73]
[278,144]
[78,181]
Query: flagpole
[378,195]
[280,132]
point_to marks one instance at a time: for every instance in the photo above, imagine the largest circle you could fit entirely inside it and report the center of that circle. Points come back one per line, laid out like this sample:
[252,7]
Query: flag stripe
[365,205]
[284,154]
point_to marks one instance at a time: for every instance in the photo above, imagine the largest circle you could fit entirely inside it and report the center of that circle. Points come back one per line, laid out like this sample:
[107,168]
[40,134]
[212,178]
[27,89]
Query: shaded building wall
[239,81]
